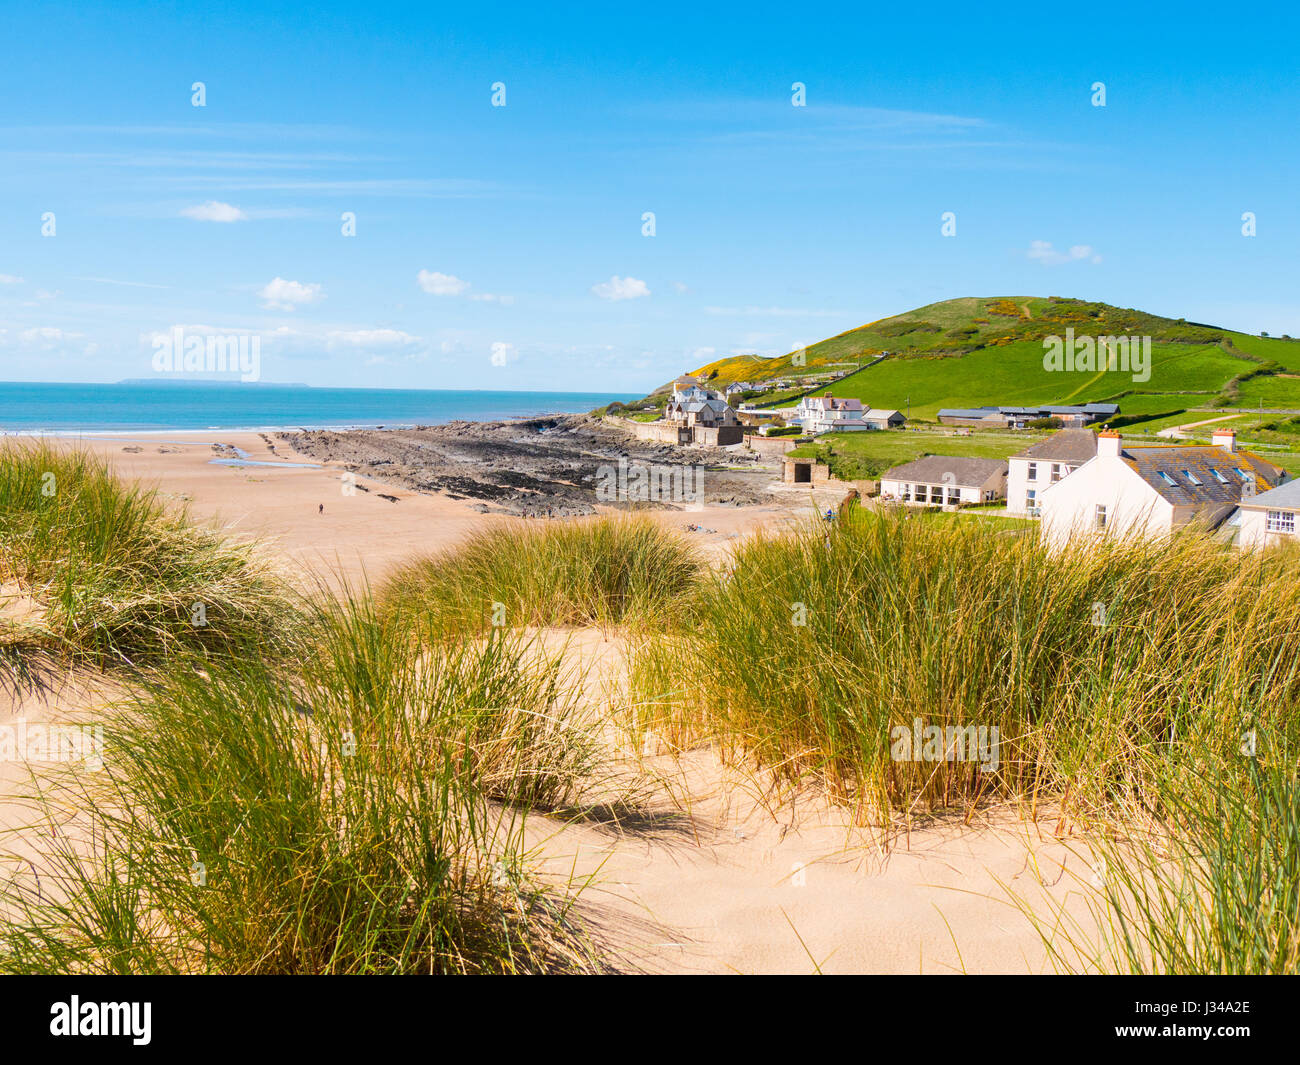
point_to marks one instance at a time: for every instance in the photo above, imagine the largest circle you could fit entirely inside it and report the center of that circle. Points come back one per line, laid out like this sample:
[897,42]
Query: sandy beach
[720,875]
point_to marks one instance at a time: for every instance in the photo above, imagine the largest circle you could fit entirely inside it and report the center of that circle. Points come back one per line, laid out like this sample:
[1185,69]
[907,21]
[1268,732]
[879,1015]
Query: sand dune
[712,875]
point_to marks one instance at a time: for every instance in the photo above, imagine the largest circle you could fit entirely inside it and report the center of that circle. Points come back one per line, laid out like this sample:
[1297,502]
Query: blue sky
[502,247]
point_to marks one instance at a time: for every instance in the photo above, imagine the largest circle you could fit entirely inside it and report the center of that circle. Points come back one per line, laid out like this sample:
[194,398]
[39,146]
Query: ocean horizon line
[67,408]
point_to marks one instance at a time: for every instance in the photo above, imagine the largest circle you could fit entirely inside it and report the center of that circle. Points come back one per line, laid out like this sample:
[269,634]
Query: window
[1032,475]
[1190,476]
[1280,521]
[1031,495]
[1057,472]
[1168,480]
[1243,474]
[1099,517]
[936,493]
[1218,476]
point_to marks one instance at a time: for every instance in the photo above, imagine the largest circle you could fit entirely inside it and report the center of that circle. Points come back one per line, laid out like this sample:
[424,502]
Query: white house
[945,480]
[693,404]
[1152,490]
[1271,517]
[1047,462]
[832,414]
[822,414]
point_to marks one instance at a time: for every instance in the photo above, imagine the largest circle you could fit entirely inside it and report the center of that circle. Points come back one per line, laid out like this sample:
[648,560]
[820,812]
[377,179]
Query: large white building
[830,414]
[1153,490]
[1034,469]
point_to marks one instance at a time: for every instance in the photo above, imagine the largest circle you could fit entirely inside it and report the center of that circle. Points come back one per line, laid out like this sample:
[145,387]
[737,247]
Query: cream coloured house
[1034,469]
[1272,517]
[945,480]
[1153,490]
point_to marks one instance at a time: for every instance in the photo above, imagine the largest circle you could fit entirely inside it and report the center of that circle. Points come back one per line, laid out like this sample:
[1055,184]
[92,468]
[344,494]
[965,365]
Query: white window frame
[1099,516]
[1280,521]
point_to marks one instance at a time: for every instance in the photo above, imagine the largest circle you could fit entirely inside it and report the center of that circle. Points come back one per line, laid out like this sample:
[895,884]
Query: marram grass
[1097,666]
[118,576]
[363,814]
[604,571]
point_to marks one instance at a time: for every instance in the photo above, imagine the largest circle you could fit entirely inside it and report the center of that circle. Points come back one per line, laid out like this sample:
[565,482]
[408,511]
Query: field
[977,351]
[865,456]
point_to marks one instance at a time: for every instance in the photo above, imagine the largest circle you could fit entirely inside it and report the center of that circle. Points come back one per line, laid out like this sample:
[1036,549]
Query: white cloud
[370,338]
[680,287]
[1042,251]
[620,288]
[214,211]
[501,353]
[45,294]
[52,338]
[9,279]
[282,295]
[437,284]
[704,354]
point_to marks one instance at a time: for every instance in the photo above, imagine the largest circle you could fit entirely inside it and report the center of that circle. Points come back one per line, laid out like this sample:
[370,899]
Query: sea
[152,407]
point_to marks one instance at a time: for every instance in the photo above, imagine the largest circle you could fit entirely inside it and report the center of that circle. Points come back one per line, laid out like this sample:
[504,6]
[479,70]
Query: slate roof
[1069,445]
[966,472]
[967,412]
[1286,497]
[1154,464]
[1098,410]
[833,403]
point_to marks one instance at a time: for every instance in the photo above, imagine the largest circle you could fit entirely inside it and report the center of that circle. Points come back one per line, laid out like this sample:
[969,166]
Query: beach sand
[721,880]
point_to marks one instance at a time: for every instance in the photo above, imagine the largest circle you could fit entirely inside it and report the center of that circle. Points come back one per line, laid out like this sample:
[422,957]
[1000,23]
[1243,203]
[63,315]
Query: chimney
[1108,445]
[1226,439]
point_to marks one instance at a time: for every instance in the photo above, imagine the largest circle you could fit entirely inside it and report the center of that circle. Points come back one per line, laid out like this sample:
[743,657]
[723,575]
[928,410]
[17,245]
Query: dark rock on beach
[539,467]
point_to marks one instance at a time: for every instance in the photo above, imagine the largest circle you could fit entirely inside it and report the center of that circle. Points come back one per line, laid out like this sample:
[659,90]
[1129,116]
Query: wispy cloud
[214,211]
[621,288]
[1041,251]
[282,295]
[439,284]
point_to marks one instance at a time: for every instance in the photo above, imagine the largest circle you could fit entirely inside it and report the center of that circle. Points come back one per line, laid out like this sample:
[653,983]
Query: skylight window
[1218,476]
[1191,476]
[1243,474]
[1168,480]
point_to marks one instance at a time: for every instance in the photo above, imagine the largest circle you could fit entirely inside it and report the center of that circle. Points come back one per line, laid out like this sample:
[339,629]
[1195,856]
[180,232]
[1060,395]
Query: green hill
[977,351]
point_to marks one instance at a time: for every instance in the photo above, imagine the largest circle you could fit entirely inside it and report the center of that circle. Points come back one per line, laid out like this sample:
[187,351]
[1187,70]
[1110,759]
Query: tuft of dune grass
[360,813]
[1210,886]
[602,572]
[1098,665]
[120,576]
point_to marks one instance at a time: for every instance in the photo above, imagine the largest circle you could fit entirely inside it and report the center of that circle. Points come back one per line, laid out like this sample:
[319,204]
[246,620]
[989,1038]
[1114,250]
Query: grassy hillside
[974,351]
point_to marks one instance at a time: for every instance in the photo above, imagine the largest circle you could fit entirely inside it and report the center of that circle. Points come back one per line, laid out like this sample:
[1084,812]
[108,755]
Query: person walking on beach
[322,509]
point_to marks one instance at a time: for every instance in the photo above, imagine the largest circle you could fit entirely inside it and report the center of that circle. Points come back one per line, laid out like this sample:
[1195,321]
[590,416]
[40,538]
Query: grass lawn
[862,456]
